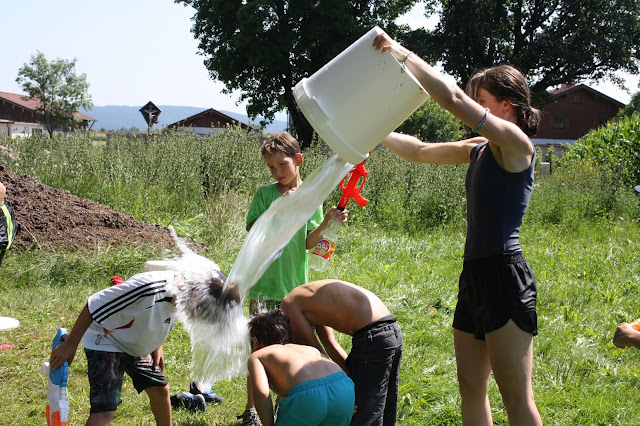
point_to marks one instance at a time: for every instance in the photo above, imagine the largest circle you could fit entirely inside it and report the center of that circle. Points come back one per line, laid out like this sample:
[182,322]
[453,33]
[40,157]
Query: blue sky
[132,51]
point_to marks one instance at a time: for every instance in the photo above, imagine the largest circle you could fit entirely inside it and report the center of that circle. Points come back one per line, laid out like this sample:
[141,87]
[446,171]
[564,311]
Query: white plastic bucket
[358,98]
[159,265]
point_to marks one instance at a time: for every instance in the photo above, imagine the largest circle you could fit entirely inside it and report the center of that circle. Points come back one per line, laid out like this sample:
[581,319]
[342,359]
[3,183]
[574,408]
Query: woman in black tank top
[495,318]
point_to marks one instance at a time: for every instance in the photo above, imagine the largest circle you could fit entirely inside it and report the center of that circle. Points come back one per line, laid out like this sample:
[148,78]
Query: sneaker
[189,401]
[250,418]
[209,397]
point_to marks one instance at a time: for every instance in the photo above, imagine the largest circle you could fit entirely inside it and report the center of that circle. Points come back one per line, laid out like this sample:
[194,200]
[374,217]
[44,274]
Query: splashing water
[216,326]
[276,226]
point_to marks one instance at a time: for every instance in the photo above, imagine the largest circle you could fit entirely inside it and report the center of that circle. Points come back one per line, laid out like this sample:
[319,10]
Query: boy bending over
[374,361]
[122,329]
[314,390]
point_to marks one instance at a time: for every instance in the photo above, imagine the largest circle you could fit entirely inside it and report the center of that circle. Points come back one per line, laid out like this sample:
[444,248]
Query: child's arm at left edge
[333,214]
[260,387]
[66,351]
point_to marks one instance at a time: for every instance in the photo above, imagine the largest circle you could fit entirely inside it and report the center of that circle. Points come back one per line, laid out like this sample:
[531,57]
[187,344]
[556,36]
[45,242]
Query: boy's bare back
[340,305]
[291,364]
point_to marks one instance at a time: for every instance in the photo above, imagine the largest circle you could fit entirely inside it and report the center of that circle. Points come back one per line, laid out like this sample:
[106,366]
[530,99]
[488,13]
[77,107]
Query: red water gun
[352,189]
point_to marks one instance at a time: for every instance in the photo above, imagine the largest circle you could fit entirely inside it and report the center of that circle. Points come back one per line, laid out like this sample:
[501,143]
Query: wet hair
[507,83]
[271,328]
[280,142]
[207,299]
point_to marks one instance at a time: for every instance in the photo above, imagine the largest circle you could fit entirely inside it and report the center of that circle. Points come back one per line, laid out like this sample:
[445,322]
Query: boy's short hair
[271,328]
[280,142]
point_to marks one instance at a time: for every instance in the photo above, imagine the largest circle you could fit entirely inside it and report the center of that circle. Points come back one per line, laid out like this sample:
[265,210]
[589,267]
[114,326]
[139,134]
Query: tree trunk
[302,130]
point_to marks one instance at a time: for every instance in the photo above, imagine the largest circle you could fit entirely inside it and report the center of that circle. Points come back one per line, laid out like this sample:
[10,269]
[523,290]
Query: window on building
[36,131]
[558,123]
[577,99]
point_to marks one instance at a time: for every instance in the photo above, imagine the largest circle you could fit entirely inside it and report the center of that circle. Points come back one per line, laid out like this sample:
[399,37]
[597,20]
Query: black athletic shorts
[106,371]
[494,290]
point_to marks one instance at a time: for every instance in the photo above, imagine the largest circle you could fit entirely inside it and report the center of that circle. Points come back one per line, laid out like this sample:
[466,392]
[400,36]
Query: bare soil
[52,218]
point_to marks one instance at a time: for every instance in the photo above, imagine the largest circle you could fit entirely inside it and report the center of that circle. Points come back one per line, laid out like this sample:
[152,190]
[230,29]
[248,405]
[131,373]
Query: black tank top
[496,202]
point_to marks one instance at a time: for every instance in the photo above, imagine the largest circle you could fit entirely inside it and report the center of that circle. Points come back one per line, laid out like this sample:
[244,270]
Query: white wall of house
[203,131]
[24,130]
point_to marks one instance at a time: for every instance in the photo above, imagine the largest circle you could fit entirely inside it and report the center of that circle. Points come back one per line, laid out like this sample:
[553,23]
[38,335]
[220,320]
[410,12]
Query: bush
[191,182]
[157,178]
[632,107]
[580,192]
[432,123]
[411,196]
[615,146]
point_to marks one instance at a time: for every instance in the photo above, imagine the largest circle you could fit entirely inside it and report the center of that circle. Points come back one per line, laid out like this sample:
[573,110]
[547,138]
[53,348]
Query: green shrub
[190,181]
[615,146]
[432,123]
[411,196]
[633,107]
[580,192]
[160,178]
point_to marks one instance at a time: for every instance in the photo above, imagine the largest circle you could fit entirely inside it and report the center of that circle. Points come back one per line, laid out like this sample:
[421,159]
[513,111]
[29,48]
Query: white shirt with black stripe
[134,317]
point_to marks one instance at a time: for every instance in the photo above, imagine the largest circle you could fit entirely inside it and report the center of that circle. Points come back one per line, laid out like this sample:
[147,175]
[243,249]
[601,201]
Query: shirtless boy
[314,390]
[374,361]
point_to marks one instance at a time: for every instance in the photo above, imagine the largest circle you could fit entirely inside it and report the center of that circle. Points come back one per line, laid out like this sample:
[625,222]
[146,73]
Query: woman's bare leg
[510,351]
[474,370]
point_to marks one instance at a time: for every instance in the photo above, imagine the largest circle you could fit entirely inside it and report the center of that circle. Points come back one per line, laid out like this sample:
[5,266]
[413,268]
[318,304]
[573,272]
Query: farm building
[18,129]
[207,122]
[574,111]
[18,116]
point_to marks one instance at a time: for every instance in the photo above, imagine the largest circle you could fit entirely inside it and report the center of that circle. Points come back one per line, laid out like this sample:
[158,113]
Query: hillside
[114,117]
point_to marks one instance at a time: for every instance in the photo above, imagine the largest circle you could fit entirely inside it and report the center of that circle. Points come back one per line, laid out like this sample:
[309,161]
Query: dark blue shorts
[106,371]
[494,290]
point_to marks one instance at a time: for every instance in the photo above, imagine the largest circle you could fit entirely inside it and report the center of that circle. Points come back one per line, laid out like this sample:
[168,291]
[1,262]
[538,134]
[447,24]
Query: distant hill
[114,117]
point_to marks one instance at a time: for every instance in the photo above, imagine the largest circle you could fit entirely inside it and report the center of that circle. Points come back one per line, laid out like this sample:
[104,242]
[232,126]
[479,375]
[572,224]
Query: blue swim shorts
[325,401]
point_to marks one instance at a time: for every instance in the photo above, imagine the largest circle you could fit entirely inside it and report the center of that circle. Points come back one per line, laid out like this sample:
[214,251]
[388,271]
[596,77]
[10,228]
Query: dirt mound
[54,218]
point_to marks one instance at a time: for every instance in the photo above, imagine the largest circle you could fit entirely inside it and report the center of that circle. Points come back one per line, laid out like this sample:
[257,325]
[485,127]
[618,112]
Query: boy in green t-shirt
[282,155]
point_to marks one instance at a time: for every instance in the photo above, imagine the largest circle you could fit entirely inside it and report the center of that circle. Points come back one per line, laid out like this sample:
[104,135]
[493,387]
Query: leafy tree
[61,92]
[432,123]
[632,108]
[550,41]
[264,47]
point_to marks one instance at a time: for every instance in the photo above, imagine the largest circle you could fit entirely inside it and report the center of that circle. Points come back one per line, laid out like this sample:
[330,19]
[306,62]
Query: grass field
[587,283]
[584,254]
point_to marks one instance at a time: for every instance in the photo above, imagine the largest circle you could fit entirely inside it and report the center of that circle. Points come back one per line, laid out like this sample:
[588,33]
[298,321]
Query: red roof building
[575,111]
[207,122]
[22,108]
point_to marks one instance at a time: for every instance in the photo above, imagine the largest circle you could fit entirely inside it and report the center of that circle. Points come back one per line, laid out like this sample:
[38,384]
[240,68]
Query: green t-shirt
[290,269]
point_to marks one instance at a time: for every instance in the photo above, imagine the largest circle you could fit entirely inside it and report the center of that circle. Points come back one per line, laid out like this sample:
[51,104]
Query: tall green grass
[581,235]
